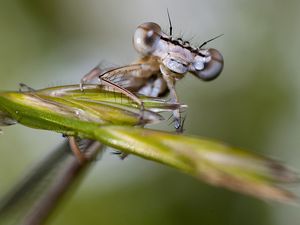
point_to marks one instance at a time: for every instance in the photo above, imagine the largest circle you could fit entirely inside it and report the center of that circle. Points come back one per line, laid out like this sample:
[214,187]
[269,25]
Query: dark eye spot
[150,38]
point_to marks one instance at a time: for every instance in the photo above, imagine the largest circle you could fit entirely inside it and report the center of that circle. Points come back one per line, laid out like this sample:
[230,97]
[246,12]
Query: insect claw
[81,86]
[181,129]
[177,123]
[122,155]
[25,88]
[116,152]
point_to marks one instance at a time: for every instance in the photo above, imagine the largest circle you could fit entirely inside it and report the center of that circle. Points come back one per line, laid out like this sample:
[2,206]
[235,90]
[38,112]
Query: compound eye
[213,68]
[146,37]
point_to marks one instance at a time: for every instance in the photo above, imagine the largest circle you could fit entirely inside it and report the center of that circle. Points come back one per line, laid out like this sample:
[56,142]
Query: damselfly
[164,60]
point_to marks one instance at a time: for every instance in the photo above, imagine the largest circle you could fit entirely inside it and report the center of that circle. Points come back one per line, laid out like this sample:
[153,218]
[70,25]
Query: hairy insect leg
[76,150]
[122,155]
[95,72]
[122,90]
[25,88]
[174,98]
[181,127]
[79,148]
[129,69]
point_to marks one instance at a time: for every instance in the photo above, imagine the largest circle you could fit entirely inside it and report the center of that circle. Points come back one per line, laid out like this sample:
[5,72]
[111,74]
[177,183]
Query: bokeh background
[254,104]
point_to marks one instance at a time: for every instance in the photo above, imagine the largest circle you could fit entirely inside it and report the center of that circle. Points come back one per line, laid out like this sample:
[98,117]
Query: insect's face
[177,55]
[209,66]
[146,38]
[206,64]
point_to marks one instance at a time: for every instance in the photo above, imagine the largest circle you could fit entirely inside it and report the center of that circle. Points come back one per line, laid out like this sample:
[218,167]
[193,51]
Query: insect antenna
[170,23]
[205,42]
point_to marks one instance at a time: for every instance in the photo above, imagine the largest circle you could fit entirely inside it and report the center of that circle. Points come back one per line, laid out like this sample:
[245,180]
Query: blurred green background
[254,104]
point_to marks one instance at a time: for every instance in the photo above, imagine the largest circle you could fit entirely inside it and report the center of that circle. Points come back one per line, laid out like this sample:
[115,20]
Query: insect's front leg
[170,80]
[93,74]
[104,79]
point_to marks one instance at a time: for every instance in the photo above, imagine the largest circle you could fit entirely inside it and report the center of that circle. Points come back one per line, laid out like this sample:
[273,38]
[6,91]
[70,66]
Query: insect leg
[122,90]
[174,98]
[94,73]
[125,92]
[129,69]
[76,150]
[122,155]
[25,88]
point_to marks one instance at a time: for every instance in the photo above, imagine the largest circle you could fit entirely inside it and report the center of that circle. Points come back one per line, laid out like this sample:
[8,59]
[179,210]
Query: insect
[163,61]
